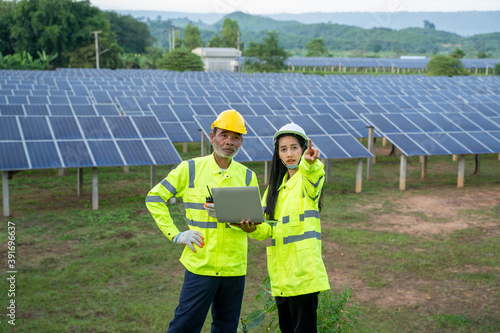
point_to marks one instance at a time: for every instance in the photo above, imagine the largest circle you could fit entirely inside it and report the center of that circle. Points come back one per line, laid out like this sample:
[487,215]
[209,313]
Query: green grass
[112,270]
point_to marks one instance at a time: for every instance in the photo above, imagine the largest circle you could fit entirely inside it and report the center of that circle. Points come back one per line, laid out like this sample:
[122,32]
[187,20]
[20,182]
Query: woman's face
[289,150]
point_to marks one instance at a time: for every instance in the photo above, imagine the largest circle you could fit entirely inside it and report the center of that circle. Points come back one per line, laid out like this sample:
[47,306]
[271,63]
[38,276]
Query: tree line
[65,30]
[42,34]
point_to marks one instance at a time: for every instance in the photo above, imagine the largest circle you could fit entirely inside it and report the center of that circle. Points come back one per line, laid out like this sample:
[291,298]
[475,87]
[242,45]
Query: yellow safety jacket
[294,258]
[225,250]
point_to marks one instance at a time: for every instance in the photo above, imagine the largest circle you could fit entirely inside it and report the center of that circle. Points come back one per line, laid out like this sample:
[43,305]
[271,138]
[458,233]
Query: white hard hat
[291,128]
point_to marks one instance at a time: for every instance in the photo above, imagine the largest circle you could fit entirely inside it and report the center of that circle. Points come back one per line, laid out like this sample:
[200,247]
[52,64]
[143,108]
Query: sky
[298,6]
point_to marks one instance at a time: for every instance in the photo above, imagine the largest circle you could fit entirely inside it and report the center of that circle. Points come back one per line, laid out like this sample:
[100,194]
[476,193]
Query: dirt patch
[423,214]
[395,293]
[442,213]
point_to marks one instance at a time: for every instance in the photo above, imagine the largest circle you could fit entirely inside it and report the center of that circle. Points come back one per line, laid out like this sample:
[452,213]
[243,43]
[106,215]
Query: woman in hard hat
[292,200]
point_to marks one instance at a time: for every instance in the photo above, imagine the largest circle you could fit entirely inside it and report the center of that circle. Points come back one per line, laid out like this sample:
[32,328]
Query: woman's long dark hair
[278,171]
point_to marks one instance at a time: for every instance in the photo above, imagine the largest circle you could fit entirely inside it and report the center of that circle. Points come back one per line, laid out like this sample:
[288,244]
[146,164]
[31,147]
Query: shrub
[335,313]
[181,60]
[445,65]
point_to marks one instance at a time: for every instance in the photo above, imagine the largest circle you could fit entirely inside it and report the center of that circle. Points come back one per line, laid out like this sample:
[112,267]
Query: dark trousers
[298,314]
[199,292]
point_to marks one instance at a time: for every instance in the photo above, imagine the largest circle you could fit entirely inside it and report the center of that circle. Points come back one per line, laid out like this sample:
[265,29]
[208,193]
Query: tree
[481,55]
[63,27]
[429,25]
[132,35]
[229,32]
[228,36]
[192,37]
[181,60]
[497,69]
[216,41]
[376,46]
[445,65]
[6,21]
[316,48]
[458,54]
[270,54]
[154,55]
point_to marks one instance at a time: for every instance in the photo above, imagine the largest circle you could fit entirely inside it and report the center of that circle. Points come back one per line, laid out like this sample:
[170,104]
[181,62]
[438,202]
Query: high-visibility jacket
[294,258]
[225,250]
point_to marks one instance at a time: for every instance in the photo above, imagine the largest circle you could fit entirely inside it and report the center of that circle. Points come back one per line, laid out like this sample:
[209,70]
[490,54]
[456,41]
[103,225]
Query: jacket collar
[291,182]
[215,168]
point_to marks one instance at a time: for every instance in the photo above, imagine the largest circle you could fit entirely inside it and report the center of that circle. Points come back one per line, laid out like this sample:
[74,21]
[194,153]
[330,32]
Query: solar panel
[470,143]
[449,144]
[38,100]
[65,128]
[128,103]
[9,130]
[163,112]
[426,142]
[84,110]
[149,127]
[12,156]
[407,145]
[328,124]
[261,126]
[203,110]
[101,97]
[43,155]
[163,151]
[60,110]
[410,105]
[122,127]
[75,154]
[107,110]
[134,152]
[481,121]
[35,128]
[441,134]
[328,147]
[177,133]
[491,139]
[94,128]
[105,153]
[308,124]
[256,149]
[183,112]
[11,110]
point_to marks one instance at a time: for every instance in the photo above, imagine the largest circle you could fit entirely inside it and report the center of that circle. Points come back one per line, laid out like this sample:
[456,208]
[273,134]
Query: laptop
[234,204]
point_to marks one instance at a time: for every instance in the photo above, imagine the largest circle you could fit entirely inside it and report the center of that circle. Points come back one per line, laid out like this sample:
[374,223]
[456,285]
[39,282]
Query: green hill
[339,38]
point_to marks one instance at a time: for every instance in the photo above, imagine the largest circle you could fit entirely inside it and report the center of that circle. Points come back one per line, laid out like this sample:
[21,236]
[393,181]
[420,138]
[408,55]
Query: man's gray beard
[217,150]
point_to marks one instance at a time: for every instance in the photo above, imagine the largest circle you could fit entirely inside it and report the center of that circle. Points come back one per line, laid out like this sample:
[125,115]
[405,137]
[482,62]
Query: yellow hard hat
[230,120]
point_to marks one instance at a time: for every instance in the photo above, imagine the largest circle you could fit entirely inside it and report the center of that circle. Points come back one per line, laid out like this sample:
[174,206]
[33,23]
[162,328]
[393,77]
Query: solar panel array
[178,104]
[45,142]
[381,62]
[438,133]
[325,133]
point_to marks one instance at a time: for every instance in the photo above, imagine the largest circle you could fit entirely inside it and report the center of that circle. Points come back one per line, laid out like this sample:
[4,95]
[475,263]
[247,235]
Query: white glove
[210,208]
[189,238]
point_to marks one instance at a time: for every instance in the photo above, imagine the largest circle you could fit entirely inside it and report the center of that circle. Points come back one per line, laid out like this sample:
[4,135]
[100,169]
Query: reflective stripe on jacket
[294,258]
[225,250]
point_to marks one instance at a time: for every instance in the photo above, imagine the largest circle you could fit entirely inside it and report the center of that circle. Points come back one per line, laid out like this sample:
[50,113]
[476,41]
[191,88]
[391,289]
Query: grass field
[421,260]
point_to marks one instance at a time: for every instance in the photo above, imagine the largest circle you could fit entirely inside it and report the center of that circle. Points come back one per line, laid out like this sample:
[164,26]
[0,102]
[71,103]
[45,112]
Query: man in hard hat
[215,255]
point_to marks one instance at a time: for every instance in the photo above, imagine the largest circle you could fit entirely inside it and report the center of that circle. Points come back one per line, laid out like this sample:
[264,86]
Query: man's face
[226,143]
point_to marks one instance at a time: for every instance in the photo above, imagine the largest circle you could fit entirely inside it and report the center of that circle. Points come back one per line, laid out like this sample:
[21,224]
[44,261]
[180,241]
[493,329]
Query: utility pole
[238,46]
[171,39]
[97,47]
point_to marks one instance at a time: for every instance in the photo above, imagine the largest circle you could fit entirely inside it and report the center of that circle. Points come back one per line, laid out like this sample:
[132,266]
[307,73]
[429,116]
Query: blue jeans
[199,292]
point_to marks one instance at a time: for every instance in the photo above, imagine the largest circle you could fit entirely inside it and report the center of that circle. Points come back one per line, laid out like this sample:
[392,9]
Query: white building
[219,59]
